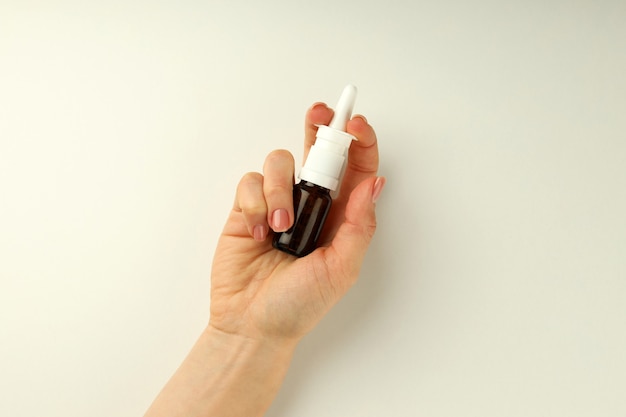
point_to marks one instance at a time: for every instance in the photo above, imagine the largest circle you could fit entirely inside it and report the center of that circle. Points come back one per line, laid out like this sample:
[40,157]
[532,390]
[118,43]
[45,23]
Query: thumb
[355,233]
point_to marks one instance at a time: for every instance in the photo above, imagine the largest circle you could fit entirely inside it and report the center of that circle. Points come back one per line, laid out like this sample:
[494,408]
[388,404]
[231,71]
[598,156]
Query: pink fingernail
[360,116]
[259,232]
[280,220]
[378,188]
[319,105]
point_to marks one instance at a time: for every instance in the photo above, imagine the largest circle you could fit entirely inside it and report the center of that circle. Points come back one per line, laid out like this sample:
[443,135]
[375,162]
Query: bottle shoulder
[313,188]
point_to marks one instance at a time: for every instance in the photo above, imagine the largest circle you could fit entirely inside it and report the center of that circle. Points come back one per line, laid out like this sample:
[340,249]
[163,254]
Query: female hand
[264,300]
[261,293]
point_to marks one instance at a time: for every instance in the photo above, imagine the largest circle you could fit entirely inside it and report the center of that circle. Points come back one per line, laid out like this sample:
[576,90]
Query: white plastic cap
[327,158]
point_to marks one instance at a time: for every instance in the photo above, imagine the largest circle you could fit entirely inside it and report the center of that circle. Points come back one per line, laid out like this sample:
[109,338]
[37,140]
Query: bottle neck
[310,185]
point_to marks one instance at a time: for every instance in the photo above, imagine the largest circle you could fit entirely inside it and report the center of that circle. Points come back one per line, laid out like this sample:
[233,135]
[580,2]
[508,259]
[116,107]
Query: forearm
[225,375]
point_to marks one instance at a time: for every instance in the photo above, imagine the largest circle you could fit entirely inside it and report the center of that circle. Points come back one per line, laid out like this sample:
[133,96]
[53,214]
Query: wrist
[248,348]
[220,374]
[241,365]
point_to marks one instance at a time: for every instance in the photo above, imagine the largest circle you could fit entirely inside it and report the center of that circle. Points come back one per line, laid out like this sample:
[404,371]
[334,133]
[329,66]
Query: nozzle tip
[343,111]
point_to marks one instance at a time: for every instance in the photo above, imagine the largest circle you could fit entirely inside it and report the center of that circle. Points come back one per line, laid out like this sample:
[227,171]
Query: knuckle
[250,196]
[253,209]
[370,229]
[278,191]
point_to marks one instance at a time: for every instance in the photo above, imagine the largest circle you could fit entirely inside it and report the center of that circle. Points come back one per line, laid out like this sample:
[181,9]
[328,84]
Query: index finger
[363,153]
[318,114]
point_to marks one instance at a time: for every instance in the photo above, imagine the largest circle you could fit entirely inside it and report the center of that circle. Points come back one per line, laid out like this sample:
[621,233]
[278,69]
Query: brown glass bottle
[311,206]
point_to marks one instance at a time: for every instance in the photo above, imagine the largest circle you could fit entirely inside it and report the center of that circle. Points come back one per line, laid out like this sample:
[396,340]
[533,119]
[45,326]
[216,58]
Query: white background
[496,284]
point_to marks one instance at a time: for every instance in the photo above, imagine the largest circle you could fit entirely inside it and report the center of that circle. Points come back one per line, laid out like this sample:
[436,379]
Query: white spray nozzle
[343,111]
[327,158]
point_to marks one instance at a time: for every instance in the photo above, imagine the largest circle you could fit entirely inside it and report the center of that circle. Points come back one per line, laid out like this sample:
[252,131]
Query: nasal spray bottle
[321,174]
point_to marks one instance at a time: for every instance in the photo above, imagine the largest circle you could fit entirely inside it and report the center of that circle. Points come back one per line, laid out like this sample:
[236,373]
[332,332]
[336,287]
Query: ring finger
[278,172]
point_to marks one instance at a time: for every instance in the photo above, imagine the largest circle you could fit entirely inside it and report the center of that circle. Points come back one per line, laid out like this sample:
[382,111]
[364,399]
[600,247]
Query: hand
[264,300]
[260,292]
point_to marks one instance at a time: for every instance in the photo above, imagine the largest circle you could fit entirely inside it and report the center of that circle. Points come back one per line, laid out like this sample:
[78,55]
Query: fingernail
[259,232]
[280,220]
[319,105]
[378,188]
[360,116]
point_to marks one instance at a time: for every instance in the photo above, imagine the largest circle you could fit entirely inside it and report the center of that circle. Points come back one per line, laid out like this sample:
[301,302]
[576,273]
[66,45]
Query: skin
[264,301]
